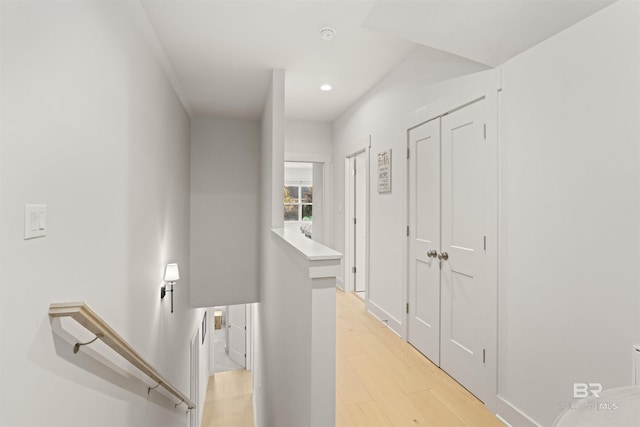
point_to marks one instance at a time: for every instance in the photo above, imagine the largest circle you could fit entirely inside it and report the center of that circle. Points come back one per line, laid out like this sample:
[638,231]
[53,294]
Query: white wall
[383,113]
[92,128]
[570,207]
[225,169]
[308,137]
[298,175]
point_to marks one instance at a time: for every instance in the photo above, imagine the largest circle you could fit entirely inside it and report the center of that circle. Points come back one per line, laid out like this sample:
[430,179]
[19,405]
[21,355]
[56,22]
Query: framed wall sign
[384,171]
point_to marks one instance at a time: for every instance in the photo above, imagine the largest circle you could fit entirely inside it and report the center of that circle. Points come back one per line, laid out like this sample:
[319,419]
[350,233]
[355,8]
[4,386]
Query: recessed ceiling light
[326,87]
[327,33]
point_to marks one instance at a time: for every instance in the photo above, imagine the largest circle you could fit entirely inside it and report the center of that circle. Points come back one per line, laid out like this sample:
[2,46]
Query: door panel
[461,303]
[424,271]
[427,310]
[464,225]
[237,333]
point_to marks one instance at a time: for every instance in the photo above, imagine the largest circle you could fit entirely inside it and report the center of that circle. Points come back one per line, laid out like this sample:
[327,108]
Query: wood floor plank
[403,384]
[346,344]
[403,376]
[343,418]
[230,384]
[386,392]
[466,406]
[368,414]
[229,400]
[349,387]
[434,411]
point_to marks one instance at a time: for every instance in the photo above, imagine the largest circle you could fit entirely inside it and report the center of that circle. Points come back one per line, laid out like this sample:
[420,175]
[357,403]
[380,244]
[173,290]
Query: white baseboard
[503,421]
[512,416]
[391,322]
[340,283]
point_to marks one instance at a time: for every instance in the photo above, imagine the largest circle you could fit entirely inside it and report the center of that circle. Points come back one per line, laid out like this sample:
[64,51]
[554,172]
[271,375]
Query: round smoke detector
[327,33]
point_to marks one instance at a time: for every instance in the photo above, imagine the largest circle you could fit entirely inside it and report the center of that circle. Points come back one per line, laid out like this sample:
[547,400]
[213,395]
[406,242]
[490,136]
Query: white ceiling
[223,51]
[486,31]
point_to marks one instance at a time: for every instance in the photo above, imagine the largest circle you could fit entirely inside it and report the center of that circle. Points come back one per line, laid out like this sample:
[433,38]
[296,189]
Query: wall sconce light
[171,275]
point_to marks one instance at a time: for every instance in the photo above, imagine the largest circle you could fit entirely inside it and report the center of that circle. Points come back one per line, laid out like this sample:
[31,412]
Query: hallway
[380,381]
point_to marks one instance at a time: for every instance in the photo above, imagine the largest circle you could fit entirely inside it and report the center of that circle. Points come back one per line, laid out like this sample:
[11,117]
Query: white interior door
[424,226]
[464,283]
[236,324]
[349,228]
[360,221]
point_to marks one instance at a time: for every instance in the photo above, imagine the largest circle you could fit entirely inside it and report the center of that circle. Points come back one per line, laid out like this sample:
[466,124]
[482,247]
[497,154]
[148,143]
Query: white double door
[450,189]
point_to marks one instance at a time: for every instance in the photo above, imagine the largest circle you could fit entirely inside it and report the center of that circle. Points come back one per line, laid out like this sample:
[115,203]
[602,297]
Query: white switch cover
[35,221]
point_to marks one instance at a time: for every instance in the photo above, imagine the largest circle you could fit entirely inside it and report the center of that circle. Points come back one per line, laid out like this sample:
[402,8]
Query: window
[298,203]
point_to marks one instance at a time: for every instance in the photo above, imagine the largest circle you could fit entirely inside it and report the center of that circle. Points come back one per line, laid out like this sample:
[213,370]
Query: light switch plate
[35,221]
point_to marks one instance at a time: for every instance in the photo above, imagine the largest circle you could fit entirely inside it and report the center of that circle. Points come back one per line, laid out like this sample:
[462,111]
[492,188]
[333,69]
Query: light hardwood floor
[229,401]
[380,381]
[383,381]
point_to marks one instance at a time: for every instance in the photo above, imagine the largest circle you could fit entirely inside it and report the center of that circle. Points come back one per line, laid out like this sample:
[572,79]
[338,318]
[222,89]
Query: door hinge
[407,308]
[245,355]
[245,328]
[354,221]
[484,356]
[407,231]
[485,243]
[408,153]
[353,270]
[485,131]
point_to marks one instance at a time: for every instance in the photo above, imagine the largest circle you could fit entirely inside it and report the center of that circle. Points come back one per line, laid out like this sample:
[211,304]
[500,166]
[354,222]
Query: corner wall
[92,128]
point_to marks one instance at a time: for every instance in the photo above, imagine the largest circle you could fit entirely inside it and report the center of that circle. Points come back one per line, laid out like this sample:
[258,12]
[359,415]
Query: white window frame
[299,203]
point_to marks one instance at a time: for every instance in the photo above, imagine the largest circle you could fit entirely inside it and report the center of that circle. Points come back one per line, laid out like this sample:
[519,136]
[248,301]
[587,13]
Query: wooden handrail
[87,318]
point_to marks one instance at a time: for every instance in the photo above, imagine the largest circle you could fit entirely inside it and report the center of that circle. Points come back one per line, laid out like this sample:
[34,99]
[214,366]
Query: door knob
[443,256]
[432,253]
